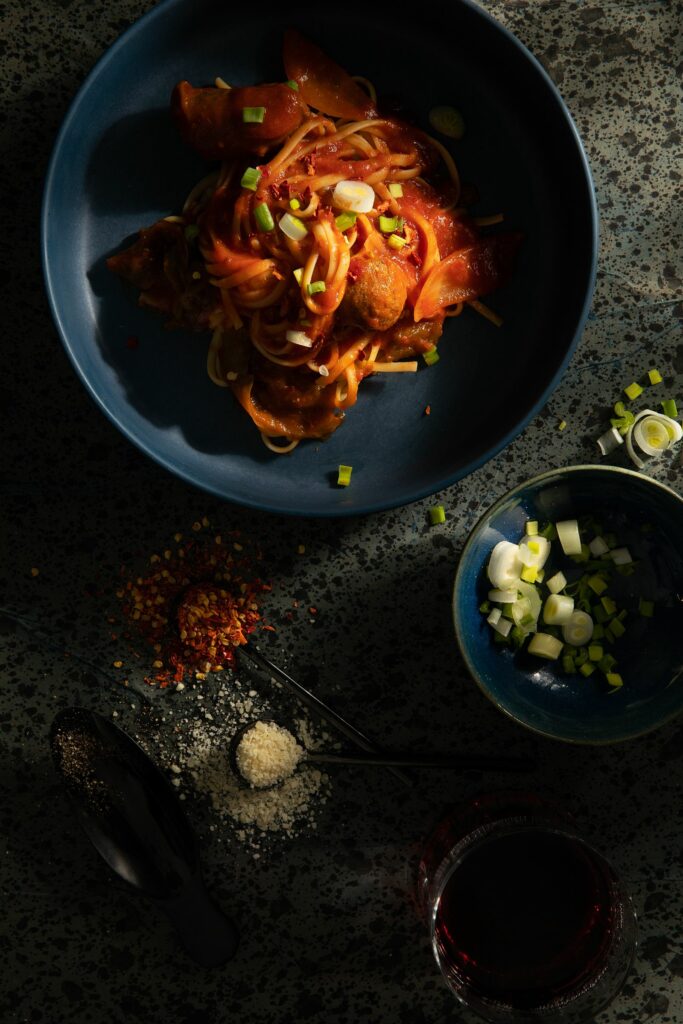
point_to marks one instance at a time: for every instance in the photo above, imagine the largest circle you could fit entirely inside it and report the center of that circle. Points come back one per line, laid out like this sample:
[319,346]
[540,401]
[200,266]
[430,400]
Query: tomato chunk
[467,274]
[322,83]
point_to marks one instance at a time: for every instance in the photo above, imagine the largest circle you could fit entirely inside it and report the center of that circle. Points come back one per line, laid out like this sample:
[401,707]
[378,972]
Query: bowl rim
[533,481]
[194,474]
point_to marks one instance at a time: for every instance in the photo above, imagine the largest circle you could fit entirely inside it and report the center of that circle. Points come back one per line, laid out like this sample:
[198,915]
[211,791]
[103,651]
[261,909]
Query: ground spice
[192,743]
[197,604]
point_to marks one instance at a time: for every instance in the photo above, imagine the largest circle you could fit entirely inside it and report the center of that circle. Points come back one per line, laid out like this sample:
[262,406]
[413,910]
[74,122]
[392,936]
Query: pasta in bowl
[330,244]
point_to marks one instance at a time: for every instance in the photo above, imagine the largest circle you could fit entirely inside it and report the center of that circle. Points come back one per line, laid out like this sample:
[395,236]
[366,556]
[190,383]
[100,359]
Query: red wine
[526,918]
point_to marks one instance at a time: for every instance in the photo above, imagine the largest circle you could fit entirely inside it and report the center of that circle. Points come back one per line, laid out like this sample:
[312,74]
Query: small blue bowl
[647,517]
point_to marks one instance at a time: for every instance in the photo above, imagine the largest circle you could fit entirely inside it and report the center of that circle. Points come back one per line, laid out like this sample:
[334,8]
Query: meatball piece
[376,293]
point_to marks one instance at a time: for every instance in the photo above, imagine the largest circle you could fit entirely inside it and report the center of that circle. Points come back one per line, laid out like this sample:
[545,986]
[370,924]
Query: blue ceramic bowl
[118,164]
[647,517]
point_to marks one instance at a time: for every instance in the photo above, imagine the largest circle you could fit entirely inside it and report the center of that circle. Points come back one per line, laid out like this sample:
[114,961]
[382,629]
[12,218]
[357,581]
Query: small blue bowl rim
[225,493]
[485,517]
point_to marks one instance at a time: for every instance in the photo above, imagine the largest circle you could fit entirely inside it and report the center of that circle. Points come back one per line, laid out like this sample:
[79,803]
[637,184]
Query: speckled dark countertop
[330,933]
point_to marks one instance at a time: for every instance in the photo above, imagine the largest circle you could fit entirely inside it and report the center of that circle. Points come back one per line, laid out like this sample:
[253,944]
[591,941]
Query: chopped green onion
[548,531]
[264,218]
[607,663]
[395,189]
[562,425]
[610,440]
[531,528]
[251,178]
[598,631]
[485,607]
[558,609]
[595,652]
[315,287]
[579,630]
[191,232]
[599,614]
[646,608]
[396,241]
[431,356]
[292,227]
[608,635]
[448,121]
[587,669]
[344,476]
[544,645]
[633,390]
[529,574]
[298,274]
[570,539]
[507,611]
[293,85]
[437,515]
[620,409]
[617,628]
[597,584]
[388,224]
[253,115]
[557,583]
[345,220]
[581,657]
[609,605]
[357,196]
[655,376]
[518,636]
[670,408]
[622,615]
[568,664]
[614,680]
[502,596]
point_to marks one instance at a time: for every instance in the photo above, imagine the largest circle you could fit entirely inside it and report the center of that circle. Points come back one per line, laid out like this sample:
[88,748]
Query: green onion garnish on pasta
[315,287]
[431,356]
[251,178]
[264,218]
[345,220]
[253,115]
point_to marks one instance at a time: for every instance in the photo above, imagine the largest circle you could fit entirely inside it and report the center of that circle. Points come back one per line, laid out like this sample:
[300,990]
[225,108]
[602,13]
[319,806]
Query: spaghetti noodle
[337,256]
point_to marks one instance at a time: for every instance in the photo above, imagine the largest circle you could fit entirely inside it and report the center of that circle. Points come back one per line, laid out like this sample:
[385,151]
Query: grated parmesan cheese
[267,754]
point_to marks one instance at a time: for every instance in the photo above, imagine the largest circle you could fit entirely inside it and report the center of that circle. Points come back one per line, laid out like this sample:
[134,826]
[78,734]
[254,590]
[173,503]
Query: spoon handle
[457,763]
[325,712]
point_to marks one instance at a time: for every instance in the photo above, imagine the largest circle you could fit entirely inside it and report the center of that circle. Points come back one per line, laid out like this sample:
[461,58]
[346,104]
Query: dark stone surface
[330,930]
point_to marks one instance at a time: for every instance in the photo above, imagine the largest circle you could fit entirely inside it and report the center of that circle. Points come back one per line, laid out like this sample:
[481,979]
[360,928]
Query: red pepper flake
[306,196]
[309,164]
[284,189]
[313,611]
[194,609]
[428,410]
[276,192]
[132,341]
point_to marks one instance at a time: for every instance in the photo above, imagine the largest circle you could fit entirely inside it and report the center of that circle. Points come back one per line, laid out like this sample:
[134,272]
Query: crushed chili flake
[428,410]
[309,164]
[194,608]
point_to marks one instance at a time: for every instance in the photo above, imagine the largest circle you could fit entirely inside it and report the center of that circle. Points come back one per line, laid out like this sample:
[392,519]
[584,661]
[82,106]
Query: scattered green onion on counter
[344,476]
[438,515]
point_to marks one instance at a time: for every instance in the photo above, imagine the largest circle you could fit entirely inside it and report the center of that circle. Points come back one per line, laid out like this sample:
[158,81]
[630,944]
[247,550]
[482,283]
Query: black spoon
[132,816]
[450,762]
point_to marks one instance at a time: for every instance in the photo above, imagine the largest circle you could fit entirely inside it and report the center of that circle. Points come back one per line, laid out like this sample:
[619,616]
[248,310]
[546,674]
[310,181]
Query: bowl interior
[118,165]
[648,519]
